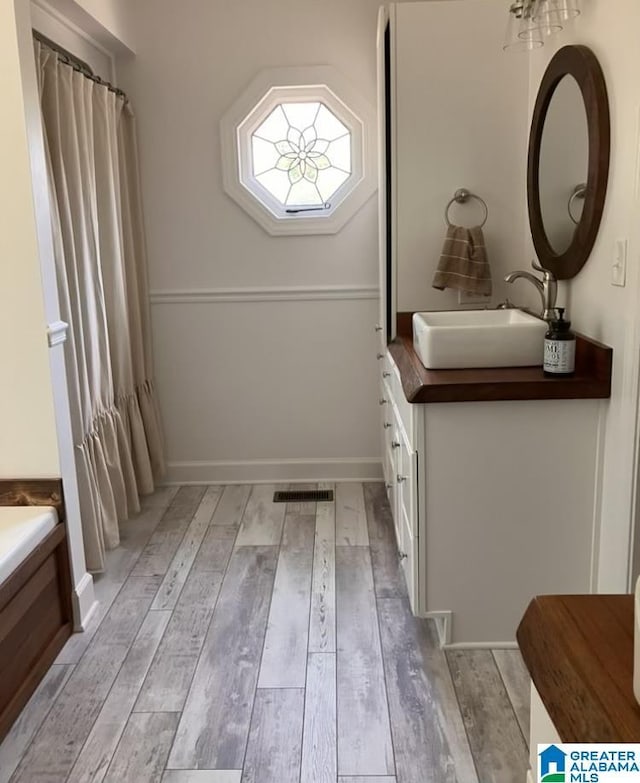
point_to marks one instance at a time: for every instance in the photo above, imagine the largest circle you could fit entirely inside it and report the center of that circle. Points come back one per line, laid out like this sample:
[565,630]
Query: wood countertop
[591,380]
[579,652]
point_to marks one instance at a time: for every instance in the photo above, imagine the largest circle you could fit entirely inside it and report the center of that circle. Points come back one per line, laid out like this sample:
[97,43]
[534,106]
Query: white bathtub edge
[22,530]
[84,602]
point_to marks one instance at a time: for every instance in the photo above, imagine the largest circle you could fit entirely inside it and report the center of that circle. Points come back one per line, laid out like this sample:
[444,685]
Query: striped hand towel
[463,264]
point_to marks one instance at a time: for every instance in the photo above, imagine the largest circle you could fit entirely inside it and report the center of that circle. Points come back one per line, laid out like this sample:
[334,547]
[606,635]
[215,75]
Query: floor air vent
[303,496]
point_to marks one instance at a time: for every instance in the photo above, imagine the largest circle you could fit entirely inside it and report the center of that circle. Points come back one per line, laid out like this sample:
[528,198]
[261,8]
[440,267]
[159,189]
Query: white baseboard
[84,602]
[482,646]
[443,626]
[267,471]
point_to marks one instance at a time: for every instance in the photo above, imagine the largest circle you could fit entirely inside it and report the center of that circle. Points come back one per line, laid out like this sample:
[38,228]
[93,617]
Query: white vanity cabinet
[400,467]
[492,502]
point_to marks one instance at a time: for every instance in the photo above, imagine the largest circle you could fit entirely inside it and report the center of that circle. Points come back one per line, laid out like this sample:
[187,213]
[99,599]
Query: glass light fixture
[527,18]
[523,33]
[547,17]
[558,11]
[530,21]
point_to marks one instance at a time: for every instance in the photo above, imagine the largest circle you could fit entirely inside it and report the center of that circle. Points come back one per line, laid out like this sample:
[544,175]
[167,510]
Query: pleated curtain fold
[101,264]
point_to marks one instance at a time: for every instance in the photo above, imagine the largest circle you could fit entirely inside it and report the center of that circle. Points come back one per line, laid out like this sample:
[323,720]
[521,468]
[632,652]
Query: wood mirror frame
[582,64]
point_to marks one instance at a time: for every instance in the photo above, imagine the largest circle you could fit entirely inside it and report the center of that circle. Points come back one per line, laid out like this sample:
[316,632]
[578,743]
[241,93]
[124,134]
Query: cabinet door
[405,409]
[387,426]
[388,464]
[407,480]
[408,562]
[395,448]
[407,512]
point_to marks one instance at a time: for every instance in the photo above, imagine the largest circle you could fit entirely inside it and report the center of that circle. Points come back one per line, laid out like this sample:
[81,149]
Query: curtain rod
[77,64]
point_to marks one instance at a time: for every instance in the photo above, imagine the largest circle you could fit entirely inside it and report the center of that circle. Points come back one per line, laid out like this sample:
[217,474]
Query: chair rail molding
[264,294]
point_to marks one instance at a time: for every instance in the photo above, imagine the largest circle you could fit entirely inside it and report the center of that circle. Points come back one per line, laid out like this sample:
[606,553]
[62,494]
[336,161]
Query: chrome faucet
[547,288]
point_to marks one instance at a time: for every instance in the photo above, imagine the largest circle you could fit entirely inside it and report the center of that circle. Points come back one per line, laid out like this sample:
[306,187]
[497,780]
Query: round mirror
[568,161]
[564,163]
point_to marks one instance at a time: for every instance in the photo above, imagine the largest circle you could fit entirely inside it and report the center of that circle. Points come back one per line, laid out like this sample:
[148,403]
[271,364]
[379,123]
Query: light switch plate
[619,265]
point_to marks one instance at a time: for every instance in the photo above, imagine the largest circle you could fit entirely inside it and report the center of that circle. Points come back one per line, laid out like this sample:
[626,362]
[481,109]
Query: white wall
[461,123]
[596,308]
[28,447]
[243,381]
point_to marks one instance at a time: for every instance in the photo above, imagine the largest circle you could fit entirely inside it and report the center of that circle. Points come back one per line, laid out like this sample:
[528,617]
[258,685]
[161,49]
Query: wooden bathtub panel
[57,538]
[12,614]
[34,617]
[35,622]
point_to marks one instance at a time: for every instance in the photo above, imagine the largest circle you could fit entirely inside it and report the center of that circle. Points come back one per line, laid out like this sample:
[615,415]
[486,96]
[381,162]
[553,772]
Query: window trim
[280,85]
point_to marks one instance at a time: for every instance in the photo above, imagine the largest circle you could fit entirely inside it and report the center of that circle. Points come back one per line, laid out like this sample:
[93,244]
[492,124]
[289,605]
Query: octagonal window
[298,158]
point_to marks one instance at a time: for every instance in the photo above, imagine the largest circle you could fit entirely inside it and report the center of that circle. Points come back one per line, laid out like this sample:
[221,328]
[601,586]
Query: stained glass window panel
[339,153]
[329,181]
[301,115]
[301,153]
[304,192]
[277,183]
[274,127]
[265,155]
[328,125]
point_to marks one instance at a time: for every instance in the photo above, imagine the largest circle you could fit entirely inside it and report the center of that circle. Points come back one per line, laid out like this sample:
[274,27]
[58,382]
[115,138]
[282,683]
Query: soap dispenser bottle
[559,347]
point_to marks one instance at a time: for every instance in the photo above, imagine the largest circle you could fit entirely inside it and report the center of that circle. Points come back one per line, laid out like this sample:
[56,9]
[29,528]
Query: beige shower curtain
[101,271]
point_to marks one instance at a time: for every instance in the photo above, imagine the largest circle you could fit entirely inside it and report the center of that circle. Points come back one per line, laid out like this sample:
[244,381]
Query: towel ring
[580,191]
[461,196]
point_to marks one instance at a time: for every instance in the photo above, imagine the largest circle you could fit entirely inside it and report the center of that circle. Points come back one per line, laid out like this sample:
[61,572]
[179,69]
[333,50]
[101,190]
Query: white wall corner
[103,20]
[53,25]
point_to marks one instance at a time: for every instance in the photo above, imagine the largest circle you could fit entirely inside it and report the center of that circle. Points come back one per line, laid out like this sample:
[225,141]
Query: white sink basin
[458,339]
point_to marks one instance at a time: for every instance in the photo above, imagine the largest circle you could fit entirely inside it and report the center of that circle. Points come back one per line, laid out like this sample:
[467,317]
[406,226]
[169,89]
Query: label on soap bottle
[559,356]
